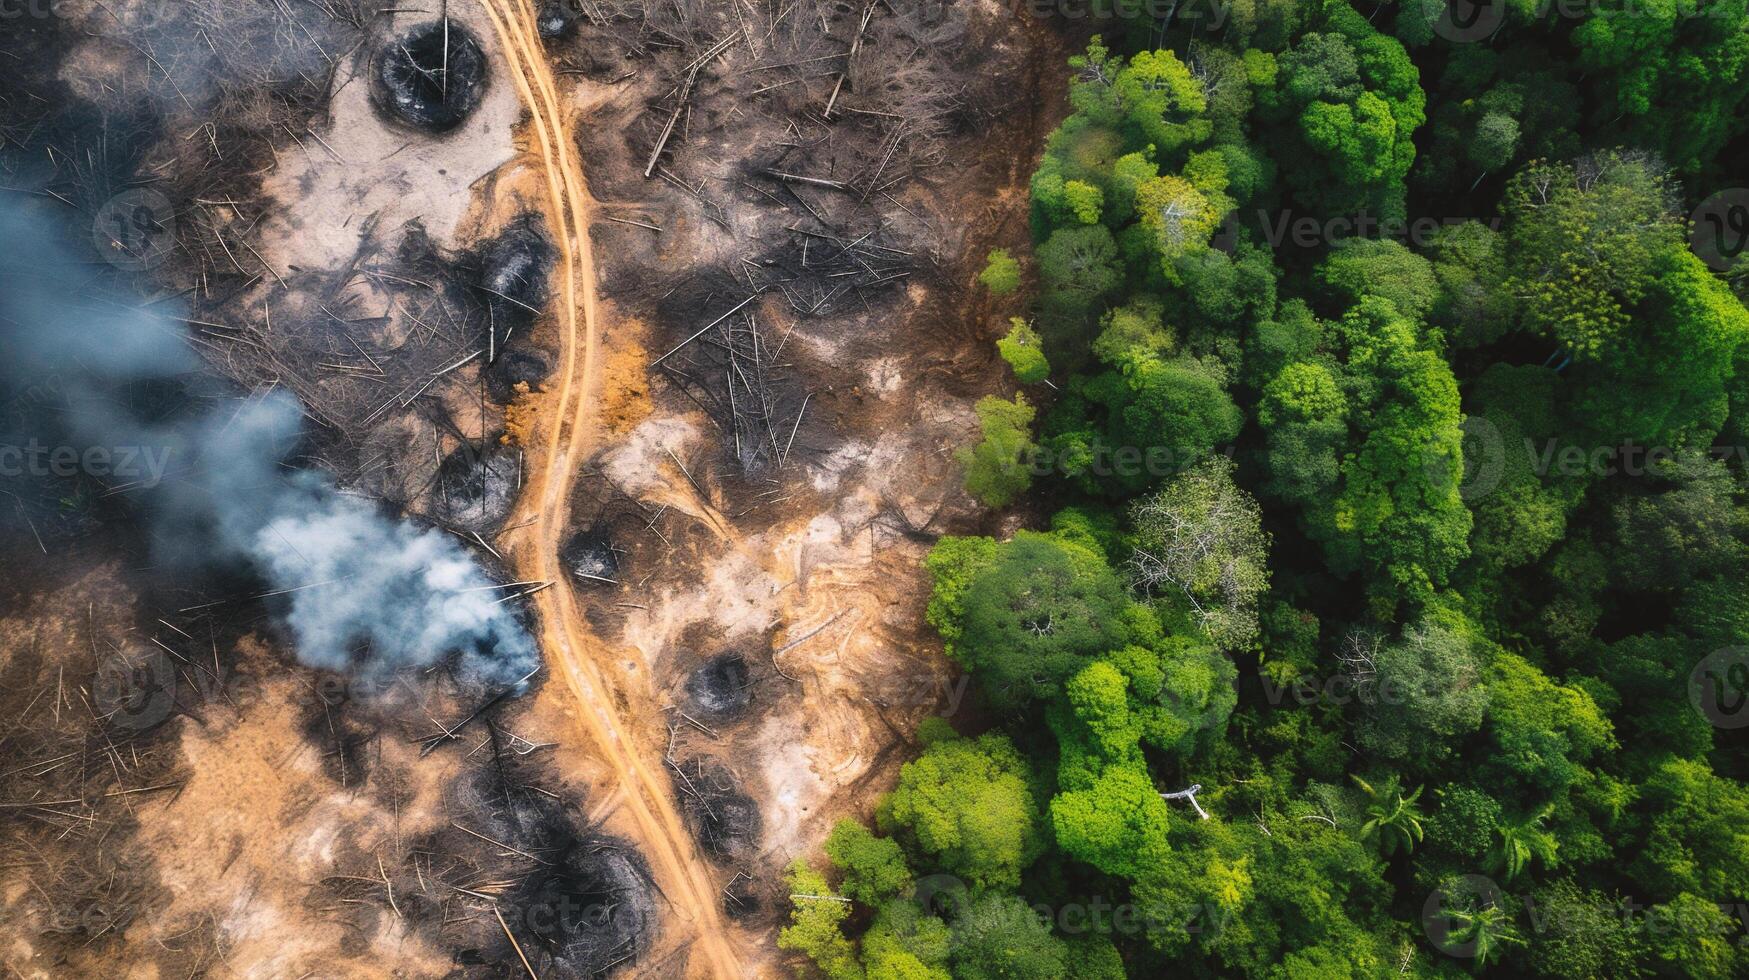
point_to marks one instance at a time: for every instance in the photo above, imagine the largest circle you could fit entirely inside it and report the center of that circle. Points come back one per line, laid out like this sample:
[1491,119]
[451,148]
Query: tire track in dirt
[685,881]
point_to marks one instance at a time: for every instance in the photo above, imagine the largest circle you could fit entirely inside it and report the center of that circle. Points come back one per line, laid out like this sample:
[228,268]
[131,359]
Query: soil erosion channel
[571,650]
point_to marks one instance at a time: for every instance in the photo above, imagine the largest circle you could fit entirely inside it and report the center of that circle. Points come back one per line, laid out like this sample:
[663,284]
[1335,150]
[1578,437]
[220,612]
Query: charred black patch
[725,821]
[477,486]
[743,898]
[721,689]
[679,303]
[334,723]
[80,150]
[432,77]
[593,909]
[727,362]
[159,399]
[515,269]
[518,366]
[590,556]
[557,20]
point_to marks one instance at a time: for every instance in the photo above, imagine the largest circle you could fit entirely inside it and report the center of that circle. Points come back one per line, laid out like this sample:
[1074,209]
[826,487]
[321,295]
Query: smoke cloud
[363,589]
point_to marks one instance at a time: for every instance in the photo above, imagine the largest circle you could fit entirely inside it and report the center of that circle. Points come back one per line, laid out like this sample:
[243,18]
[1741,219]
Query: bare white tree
[1201,538]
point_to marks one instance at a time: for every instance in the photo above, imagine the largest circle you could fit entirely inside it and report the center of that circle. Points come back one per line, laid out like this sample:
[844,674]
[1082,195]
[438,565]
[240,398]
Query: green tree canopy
[966,807]
[999,937]
[997,467]
[1001,274]
[1036,614]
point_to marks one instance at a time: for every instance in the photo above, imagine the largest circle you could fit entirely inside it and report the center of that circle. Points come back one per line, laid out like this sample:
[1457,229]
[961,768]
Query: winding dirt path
[571,651]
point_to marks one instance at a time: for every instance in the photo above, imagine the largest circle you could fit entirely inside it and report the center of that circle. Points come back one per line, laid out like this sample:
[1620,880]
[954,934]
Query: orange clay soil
[564,436]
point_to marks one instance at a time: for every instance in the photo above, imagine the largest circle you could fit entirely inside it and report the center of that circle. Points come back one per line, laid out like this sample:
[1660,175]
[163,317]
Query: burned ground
[725,819]
[759,497]
[477,485]
[591,556]
[797,252]
[721,688]
[524,366]
[557,20]
[432,77]
[132,691]
[593,910]
[514,271]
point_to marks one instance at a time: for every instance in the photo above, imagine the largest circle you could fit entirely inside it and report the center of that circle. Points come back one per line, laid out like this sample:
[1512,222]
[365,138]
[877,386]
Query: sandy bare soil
[568,420]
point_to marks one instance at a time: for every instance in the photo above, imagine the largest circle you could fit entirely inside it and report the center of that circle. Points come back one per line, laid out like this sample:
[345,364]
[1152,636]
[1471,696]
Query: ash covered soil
[793,202]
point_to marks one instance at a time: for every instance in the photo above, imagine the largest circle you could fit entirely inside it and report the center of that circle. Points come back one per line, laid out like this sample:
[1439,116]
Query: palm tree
[1489,929]
[1524,840]
[1392,816]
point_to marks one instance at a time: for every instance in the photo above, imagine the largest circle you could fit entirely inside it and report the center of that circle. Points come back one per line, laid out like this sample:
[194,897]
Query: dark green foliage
[1696,832]
[1036,614]
[1519,499]
[1461,828]
[1541,731]
[1673,75]
[1365,437]
[1078,266]
[1427,692]
[1424,534]
[1584,240]
[1121,431]
[999,937]
[1471,303]
[1347,105]
[1360,267]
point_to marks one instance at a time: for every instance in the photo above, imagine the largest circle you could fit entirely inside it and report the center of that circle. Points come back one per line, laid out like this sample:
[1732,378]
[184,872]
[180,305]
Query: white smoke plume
[363,590]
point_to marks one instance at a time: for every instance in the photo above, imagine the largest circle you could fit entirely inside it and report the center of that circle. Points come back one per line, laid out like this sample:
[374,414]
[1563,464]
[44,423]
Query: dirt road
[567,434]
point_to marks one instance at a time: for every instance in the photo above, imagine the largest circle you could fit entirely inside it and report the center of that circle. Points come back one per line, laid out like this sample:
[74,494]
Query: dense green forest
[1384,438]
